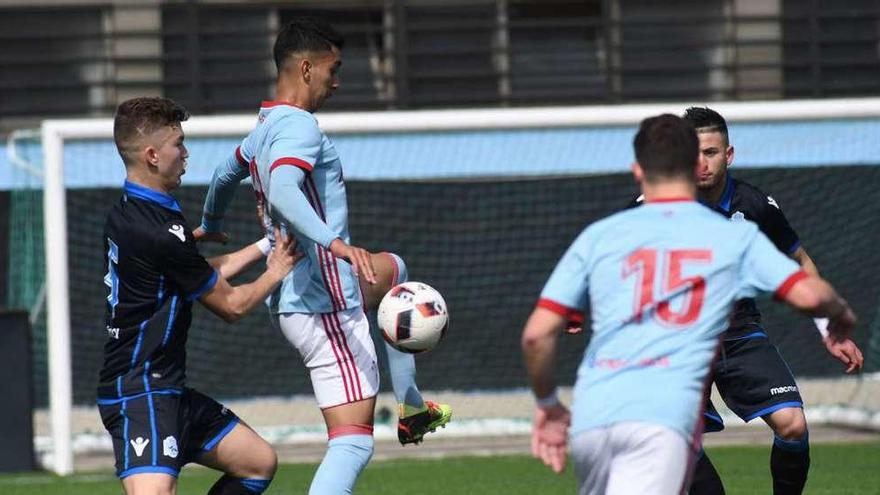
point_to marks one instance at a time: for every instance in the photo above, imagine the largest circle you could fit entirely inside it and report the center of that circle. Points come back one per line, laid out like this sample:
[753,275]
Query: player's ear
[151,155]
[638,173]
[305,69]
[728,155]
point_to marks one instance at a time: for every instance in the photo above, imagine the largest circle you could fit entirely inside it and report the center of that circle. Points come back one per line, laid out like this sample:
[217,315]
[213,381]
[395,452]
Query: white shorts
[632,457]
[338,351]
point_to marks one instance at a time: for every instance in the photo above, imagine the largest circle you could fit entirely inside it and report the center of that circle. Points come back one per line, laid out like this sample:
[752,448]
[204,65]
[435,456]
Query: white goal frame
[55,132]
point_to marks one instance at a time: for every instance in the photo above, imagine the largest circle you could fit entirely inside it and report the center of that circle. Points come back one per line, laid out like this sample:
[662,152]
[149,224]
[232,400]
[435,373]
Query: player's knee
[402,273]
[151,491]
[264,463]
[792,426]
[152,485]
[261,463]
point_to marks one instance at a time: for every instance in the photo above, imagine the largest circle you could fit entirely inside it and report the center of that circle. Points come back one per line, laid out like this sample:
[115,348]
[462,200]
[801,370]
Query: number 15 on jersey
[643,265]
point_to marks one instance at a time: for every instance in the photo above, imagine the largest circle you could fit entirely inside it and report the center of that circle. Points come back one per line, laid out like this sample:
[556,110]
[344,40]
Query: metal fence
[76,59]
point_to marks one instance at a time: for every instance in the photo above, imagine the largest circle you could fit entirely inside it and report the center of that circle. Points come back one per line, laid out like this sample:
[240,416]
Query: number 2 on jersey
[111,279]
[643,263]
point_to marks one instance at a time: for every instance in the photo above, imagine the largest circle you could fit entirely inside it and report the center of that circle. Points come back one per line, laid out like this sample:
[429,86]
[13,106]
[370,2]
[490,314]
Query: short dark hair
[139,117]
[666,146]
[704,119]
[305,34]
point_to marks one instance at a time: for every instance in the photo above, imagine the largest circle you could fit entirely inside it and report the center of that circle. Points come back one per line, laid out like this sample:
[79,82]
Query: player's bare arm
[844,350]
[552,419]
[816,297]
[800,255]
[232,264]
[232,303]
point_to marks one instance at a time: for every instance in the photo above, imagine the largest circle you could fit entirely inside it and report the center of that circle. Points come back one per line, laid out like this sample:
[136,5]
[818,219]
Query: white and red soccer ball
[413,317]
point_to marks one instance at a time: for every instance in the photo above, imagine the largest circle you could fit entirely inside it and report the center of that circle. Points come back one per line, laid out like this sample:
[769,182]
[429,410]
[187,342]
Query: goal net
[480,204]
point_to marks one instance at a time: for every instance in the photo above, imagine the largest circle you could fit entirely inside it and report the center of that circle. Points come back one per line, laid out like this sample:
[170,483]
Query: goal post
[55,133]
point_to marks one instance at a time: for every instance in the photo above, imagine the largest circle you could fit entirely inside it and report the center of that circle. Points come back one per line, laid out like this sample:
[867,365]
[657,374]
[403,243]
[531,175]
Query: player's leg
[705,479]
[648,459]
[790,455]
[416,416]
[218,439]
[150,484]
[349,447]
[338,351]
[137,427]
[759,384]
[390,271]
[591,455]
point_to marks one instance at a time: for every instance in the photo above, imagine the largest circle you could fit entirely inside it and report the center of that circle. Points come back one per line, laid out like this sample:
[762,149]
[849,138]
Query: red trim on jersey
[338,431]
[310,185]
[270,104]
[329,269]
[304,165]
[671,199]
[786,286]
[351,361]
[570,314]
[325,276]
[336,352]
[334,270]
[333,277]
[240,157]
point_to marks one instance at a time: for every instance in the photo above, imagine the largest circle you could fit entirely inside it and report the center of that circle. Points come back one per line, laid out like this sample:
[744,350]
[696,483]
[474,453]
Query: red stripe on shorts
[336,352]
[347,349]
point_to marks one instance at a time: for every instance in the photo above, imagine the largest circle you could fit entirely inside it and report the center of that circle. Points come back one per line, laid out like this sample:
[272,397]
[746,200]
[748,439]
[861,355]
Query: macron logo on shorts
[782,390]
[139,444]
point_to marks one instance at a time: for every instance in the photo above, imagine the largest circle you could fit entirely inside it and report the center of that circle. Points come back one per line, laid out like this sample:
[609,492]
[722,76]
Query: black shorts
[161,431]
[752,379]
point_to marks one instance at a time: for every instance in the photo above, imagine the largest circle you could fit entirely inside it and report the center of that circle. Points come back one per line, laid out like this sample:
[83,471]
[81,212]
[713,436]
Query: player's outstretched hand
[846,351]
[285,254]
[358,257]
[550,436]
[201,236]
[838,342]
[840,326]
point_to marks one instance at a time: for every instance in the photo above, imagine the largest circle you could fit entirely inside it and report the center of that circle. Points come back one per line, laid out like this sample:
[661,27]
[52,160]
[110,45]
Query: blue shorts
[161,431]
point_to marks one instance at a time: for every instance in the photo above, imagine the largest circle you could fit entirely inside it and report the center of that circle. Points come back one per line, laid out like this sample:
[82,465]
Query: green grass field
[836,469]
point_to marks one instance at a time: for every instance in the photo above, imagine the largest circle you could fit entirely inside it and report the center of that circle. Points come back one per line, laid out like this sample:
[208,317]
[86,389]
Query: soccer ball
[413,317]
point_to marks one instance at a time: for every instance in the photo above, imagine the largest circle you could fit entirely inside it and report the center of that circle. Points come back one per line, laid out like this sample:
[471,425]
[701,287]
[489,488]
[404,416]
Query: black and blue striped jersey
[154,273]
[743,201]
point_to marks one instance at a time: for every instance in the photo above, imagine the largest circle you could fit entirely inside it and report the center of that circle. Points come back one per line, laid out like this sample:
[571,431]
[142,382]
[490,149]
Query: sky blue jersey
[297,178]
[662,280]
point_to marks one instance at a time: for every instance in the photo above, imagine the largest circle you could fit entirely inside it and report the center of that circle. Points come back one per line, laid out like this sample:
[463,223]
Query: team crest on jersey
[169,447]
[737,216]
[177,231]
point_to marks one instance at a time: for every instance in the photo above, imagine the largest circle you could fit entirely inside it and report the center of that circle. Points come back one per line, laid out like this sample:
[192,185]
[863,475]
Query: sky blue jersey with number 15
[662,280]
